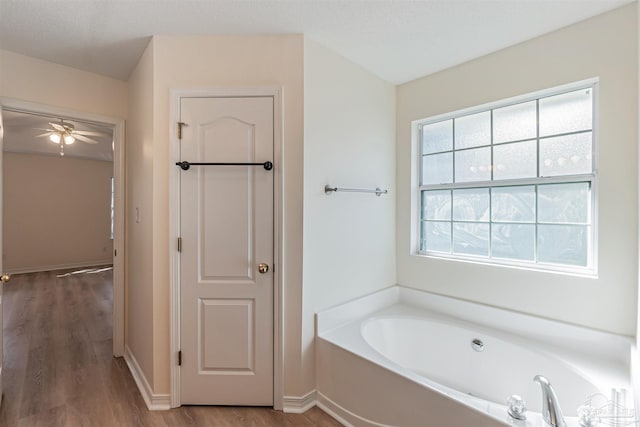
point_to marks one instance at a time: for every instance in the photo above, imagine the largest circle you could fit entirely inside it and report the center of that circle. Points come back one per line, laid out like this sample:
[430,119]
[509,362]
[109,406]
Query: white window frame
[591,270]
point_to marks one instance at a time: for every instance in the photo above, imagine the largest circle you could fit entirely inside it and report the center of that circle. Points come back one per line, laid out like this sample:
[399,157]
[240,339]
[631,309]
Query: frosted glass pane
[436,204]
[566,155]
[513,204]
[563,244]
[437,137]
[514,123]
[473,165]
[568,112]
[471,204]
[471,238]
[437,168]
[436,236]
[473,130]
[516,160]
[564,203]
[513,241]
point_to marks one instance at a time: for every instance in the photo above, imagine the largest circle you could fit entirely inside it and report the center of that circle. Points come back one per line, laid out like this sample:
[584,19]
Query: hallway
[59,370]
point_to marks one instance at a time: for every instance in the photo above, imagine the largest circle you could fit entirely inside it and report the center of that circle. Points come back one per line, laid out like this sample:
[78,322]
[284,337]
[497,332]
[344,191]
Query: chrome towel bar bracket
[329,189]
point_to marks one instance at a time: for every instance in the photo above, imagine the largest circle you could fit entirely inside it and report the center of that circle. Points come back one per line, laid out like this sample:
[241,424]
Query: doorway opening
[83,140]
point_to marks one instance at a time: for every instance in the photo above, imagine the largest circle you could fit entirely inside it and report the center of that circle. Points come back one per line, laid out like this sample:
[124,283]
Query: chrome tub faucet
[551,412]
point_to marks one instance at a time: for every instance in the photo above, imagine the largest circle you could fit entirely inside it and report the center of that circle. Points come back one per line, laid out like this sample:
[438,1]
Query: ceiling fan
[64,133]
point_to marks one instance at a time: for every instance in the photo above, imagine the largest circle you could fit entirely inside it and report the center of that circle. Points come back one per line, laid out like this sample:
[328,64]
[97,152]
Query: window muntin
[513,184]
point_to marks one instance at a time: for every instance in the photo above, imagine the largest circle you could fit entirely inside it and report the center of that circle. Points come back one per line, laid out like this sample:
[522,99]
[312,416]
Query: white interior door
[226,227]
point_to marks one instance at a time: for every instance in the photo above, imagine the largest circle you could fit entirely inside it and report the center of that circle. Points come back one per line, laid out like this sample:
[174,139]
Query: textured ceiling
[398,40]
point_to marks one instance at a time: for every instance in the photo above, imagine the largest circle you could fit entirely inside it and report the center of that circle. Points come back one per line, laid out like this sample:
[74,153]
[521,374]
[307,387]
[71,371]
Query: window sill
[585,272]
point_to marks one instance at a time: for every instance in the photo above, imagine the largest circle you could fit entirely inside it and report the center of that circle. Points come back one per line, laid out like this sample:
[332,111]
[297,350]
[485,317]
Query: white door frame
[119,218]
[174,230]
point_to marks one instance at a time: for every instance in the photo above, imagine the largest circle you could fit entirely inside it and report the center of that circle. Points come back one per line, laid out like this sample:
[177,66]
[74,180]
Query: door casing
[174,231]
[1,252]
[119,175]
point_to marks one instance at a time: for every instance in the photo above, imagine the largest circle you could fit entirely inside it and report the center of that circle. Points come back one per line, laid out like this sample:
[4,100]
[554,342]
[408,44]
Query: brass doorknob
[5,278]
[263,267]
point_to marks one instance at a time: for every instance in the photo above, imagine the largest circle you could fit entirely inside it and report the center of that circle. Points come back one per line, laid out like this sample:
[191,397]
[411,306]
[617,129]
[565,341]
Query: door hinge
[179,244]
[179,357]
[115,252]
[180,125]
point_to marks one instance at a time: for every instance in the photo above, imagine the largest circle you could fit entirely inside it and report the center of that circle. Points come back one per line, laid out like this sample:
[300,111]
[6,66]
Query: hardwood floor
[59,371]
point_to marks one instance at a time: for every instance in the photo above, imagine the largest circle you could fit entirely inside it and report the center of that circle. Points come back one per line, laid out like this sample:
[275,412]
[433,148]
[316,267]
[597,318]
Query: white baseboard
[299,404]
[155,402]
[36,269]
[343,415]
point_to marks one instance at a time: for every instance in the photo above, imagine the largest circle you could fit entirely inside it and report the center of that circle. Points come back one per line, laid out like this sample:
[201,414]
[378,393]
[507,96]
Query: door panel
[226,328]
[229,322]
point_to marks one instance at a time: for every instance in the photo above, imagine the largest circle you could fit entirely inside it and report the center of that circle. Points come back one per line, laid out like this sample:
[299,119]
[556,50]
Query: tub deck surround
[370,372]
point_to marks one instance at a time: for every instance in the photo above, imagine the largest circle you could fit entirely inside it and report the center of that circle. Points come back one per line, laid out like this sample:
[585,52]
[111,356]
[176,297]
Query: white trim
[343,415]
[174,232]
[556,90]
[36,269]
[1,251]
[154,402]
[119,174]
[278,255]
[119,239]
[174,255]
[299,404]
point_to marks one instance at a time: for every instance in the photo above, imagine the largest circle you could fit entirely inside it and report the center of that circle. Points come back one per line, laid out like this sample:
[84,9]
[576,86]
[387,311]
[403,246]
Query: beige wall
[139,189]
[34,80]
[349,141]
[604,47]
[56,212]
[206,62]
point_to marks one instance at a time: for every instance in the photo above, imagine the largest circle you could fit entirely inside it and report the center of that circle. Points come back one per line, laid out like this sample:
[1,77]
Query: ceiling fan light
[55,137]
[69,139]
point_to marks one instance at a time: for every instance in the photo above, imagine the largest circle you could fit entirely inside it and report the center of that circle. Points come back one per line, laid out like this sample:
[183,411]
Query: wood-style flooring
[59,369]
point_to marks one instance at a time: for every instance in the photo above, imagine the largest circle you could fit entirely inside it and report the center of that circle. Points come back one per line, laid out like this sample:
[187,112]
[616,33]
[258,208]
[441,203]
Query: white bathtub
[402,357]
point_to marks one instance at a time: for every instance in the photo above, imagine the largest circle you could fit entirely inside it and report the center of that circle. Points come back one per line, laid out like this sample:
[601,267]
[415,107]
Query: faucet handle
[517,407]
[588,416]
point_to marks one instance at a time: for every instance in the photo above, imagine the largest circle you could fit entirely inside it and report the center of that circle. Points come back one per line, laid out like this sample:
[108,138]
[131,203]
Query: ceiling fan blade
[88,133]
[84,138]
[57,126]
[43,134]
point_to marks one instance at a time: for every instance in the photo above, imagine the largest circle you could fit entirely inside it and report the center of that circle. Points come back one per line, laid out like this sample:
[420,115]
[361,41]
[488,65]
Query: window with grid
[513,184]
